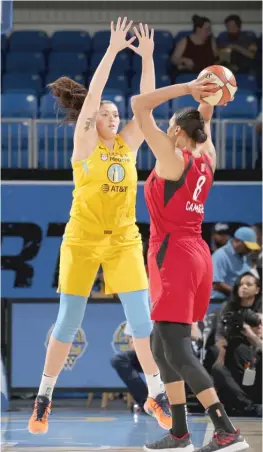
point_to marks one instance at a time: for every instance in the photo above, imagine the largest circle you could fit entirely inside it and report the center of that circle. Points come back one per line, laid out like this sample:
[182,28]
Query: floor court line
[121,435]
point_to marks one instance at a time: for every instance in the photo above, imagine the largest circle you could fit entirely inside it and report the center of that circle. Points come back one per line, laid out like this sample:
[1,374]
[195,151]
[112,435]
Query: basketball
[226,85]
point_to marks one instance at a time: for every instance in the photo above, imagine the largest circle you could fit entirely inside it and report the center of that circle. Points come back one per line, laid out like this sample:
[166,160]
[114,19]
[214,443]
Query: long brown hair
[70,96]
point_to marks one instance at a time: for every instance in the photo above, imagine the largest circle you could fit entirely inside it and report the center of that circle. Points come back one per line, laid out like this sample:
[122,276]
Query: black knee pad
[180,355]
[168,373]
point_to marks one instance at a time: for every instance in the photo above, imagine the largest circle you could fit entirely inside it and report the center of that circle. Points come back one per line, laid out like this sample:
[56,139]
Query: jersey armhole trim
[171,187]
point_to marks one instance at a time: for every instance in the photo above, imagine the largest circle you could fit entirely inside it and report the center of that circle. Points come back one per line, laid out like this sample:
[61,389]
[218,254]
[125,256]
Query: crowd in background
[236,49]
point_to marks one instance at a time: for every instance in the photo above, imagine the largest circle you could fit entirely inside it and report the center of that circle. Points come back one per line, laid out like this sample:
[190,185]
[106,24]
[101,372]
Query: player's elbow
[135,104]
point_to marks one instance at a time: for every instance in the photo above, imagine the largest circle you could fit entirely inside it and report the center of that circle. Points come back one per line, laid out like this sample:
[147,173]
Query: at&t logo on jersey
[106,188]
[78,348]
[196,206]
[120,341]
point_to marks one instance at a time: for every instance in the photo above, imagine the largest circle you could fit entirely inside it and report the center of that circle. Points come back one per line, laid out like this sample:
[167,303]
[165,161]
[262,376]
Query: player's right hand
[200,88]
[119,32]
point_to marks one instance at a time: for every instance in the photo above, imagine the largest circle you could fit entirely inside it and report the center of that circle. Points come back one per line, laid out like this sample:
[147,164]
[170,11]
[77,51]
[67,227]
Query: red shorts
[181,277]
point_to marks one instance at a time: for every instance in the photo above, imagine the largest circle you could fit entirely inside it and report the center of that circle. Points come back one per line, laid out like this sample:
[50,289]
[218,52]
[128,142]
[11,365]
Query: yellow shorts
[120,255]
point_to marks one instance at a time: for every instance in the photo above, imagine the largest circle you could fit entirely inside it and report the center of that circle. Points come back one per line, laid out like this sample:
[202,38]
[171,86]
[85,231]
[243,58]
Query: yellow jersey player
[102,229]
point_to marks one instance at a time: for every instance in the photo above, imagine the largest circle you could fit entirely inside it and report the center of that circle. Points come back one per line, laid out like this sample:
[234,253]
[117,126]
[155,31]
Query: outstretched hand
[118,39]
[146,42]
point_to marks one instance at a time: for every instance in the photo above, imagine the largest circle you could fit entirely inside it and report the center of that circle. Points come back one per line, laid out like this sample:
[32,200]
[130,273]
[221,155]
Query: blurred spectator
[259,62]
[220,235]
[259,123]
[237,371]
[246,295]
[256,256]
[197,51]
[129,369]
[237,48]
[259,141]
[231,260]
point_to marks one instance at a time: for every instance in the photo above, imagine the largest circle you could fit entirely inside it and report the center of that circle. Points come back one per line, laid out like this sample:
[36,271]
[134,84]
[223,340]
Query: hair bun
[199,136]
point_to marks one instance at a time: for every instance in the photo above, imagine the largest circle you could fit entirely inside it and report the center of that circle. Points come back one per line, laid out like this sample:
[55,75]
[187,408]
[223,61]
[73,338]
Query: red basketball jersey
[178,206]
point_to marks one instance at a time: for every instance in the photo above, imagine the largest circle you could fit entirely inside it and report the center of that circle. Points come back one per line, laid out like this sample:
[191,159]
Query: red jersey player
[179,261]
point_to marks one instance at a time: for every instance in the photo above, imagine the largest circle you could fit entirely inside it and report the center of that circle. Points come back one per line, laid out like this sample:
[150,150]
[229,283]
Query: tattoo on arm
[90,123]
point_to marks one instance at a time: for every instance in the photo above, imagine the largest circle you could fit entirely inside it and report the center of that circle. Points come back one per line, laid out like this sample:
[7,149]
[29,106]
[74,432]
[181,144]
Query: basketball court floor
[113,430]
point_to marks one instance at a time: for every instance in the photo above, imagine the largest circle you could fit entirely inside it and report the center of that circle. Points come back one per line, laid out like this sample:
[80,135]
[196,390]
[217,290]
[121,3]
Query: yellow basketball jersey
[105,189]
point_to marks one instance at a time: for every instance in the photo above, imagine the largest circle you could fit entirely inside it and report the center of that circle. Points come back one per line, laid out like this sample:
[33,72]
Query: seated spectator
[220,235]
[129,369]
[197,51]
[238,49]
[237,371]
[232,260]
[246,295]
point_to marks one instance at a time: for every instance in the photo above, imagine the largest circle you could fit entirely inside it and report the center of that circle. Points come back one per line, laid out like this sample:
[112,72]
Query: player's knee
[157,350]
[137,311]
[169,375]
[64,332]
[70,316]
[141,330]
[182,354]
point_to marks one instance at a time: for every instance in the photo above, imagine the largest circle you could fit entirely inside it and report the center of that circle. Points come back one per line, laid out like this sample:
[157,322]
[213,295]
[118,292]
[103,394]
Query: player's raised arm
[83,105]
[208,147]
[86,124]
[131,133]
[159,142]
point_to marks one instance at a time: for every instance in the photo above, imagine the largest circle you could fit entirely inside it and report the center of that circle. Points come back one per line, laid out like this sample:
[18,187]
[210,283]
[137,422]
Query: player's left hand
[146,42]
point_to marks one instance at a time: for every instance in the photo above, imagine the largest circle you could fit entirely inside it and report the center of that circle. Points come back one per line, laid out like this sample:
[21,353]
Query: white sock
[155,385]
[47,386]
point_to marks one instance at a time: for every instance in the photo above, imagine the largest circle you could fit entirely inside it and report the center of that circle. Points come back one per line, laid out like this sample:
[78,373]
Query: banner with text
[34,215]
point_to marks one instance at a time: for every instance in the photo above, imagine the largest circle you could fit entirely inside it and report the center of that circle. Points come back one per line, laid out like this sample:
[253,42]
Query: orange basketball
[225,84]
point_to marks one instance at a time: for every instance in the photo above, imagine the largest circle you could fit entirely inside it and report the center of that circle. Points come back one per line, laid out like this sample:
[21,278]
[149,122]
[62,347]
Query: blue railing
[43,143]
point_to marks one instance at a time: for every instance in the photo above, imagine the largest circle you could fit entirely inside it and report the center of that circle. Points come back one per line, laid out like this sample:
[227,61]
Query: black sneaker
[171,443]
[230,442]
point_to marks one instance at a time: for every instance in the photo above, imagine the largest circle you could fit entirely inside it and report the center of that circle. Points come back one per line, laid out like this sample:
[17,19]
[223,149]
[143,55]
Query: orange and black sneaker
[160,409]
[38,423]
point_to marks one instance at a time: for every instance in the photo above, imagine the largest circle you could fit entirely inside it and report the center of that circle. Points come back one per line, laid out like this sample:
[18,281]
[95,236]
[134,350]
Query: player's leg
[136,308]
[226,435]
[77,274]
[174,385]
[178,438]
[179,302]
[184,361]
[125,274]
